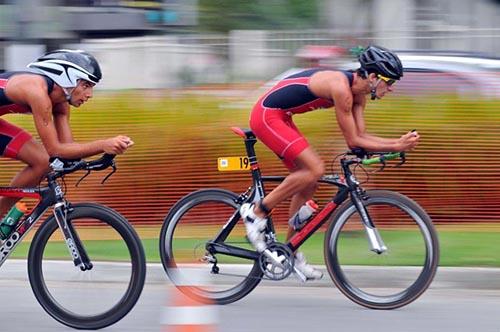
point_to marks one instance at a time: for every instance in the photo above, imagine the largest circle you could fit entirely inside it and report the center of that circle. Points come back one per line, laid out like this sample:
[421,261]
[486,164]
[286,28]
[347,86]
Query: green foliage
[458,248]
[356,51]
[226,15]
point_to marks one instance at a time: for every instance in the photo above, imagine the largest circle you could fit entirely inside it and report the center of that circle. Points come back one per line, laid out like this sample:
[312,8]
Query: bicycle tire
[214,292]
[382,199]
[125,235]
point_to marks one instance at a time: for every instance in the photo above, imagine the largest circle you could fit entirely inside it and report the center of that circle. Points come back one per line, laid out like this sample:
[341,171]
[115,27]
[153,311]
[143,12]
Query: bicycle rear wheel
[97,297]
[194,221]
[395,277]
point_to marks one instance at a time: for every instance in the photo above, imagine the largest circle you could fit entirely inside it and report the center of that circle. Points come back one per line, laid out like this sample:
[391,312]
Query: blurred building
[155,41]
[468,25]
[30,25]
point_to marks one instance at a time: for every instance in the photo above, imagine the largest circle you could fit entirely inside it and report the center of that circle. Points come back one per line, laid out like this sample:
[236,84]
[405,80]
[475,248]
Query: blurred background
[179,73]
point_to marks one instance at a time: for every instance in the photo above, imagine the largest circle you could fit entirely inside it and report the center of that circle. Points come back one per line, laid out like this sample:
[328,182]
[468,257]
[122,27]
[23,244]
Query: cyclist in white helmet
[46,90]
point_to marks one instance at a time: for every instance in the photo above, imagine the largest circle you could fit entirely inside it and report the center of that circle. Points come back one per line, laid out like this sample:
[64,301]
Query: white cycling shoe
[307,270]
[255,227]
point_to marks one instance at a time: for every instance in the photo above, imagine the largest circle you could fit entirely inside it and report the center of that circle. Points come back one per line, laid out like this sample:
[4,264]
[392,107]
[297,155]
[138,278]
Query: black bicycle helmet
[65,67]
[379,60]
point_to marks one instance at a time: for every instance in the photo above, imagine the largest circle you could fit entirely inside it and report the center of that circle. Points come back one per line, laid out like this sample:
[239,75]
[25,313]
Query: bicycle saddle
[245,133]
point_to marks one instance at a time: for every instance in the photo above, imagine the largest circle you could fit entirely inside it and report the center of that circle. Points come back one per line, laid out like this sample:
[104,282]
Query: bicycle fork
[377,244]
[75,247]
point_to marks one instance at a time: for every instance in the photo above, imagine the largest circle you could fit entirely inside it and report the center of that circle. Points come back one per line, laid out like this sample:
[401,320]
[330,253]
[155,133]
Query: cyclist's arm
[358,111]
[351,128]
[61,115]
[41,107]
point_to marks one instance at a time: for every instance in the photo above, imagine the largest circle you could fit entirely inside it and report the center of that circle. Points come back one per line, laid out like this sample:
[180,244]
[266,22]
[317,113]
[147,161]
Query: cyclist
[311,89]
[46,90]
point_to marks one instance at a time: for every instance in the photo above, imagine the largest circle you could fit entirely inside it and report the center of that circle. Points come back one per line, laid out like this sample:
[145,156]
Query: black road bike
[380,248]
[86,263]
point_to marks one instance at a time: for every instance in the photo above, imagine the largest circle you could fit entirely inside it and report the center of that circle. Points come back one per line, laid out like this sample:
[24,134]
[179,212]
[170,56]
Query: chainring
[277,270]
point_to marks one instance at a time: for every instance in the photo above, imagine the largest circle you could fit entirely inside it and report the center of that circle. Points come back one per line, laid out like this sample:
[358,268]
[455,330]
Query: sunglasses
[388,81]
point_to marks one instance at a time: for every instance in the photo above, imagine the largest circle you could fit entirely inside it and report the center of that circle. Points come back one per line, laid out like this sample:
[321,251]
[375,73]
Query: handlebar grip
[381,159]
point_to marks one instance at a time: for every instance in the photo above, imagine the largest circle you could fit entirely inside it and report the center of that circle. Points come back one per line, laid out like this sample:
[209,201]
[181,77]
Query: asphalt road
[458,300]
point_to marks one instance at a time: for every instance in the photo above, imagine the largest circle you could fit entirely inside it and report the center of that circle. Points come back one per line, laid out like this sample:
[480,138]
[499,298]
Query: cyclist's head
[66,67]
[381,61]
[381,64]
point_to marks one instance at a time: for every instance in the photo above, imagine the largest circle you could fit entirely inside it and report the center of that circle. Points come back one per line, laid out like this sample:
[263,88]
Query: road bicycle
[380,248]
[91,273]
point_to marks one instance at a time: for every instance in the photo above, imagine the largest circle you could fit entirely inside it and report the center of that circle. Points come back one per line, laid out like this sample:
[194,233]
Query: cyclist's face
[382,87]
[82,92]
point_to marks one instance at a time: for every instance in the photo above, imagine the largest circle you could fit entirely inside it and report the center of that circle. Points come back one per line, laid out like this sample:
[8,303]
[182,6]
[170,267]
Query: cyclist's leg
[277,131]
[19,145]
[297,201]
[275,128]
[307,270]
[309,169]
[37,160]
[300,183]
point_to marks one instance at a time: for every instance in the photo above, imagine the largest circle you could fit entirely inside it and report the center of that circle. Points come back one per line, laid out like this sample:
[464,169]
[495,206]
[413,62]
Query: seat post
[250,141]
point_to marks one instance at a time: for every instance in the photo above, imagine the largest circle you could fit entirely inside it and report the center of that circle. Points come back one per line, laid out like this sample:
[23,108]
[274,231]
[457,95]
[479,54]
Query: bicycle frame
[52,195]
[322,216]
[347,186]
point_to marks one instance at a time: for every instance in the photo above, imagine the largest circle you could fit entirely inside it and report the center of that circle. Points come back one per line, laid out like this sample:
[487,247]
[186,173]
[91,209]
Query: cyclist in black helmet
[271,121]
[46,90]
[384,64]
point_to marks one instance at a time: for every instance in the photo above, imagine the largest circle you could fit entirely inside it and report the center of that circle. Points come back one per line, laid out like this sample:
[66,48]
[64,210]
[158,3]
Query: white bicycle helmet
[66,67]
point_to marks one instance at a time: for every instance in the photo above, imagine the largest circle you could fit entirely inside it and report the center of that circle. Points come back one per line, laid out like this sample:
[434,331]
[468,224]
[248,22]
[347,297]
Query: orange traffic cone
[184,314]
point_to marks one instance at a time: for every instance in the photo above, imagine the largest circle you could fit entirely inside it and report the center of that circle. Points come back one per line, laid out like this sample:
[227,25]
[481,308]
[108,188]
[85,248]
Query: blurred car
[464,74]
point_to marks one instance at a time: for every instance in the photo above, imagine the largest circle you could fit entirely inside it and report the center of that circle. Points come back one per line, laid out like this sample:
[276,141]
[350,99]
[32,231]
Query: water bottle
[10,220]
[301,217]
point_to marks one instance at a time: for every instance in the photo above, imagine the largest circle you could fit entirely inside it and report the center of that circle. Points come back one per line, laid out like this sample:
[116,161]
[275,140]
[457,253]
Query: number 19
[244,162]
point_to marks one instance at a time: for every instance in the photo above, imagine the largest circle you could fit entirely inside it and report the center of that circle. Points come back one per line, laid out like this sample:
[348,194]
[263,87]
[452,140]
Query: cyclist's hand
[409,141]
[117,145]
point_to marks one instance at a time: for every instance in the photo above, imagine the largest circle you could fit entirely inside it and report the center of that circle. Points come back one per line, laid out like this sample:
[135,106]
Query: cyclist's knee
[311,176]
[39,162]
[34,155]
[317,170]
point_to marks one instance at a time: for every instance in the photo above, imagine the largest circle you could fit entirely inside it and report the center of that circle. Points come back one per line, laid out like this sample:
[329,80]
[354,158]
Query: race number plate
[233,164]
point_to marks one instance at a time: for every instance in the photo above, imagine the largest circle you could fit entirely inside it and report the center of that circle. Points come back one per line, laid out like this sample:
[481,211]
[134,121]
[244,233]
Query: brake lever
[382,161]
[113,166]
[403,159]
[83,177]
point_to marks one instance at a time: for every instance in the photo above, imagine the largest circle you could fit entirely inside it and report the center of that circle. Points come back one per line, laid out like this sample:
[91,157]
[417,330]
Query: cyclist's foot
[307,270]
[255,226]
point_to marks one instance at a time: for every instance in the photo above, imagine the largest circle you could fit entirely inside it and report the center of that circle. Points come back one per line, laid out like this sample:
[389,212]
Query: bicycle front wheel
[97,297]
[401,273]
[197,219]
